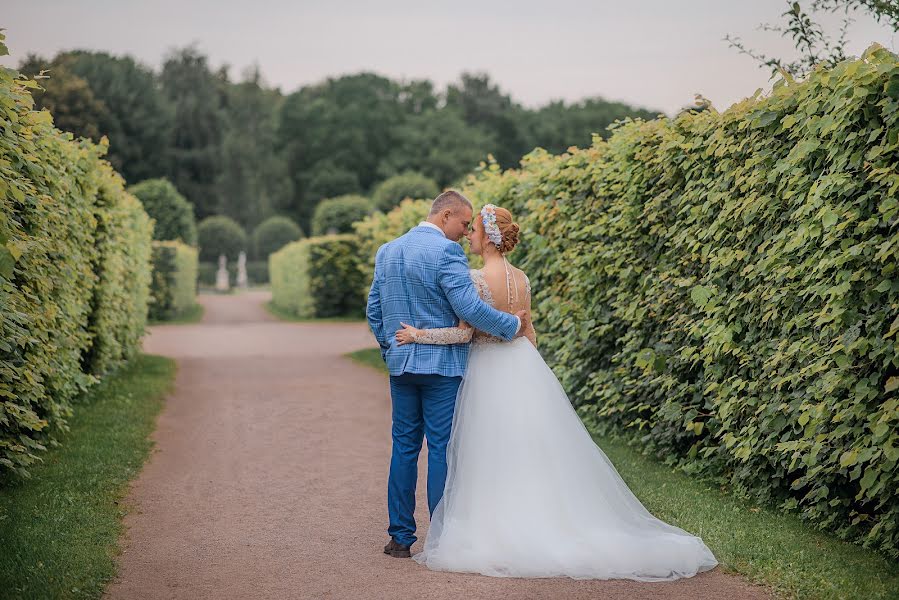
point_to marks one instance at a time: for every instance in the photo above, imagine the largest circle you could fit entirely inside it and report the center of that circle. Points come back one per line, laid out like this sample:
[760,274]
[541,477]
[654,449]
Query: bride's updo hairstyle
[508,228]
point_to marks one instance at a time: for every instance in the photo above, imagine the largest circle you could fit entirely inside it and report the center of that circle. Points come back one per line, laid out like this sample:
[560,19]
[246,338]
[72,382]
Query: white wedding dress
[528,492]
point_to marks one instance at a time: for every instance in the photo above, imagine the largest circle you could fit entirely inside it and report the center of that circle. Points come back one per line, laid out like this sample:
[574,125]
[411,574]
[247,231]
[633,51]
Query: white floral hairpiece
[488,218]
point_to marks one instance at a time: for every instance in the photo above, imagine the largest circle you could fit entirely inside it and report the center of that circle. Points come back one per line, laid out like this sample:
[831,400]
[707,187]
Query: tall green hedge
[74,272]
[174,288]
[722,287]
[319,277]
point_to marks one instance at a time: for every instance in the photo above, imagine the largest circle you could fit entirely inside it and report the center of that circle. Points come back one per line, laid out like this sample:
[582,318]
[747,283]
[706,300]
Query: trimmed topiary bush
[173,214]
[337,215]
[174,289]
[393,190]
[318,277]
[220,235]
[273,234]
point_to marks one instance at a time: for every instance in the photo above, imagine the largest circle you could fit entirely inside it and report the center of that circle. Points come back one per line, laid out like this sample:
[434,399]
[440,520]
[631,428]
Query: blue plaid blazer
[422,278]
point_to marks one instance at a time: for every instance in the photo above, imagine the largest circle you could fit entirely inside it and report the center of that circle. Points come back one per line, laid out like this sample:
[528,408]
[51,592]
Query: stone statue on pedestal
[222,283]
[242,270]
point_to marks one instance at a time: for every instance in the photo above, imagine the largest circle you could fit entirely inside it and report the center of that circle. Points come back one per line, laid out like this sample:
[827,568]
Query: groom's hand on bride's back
[525,316]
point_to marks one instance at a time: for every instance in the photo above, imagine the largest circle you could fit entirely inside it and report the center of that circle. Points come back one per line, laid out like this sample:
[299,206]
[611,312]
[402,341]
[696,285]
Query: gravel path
[268,479]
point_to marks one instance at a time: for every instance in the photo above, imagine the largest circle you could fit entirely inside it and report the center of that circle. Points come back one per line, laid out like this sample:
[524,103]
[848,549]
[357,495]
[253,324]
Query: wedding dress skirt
[529,494]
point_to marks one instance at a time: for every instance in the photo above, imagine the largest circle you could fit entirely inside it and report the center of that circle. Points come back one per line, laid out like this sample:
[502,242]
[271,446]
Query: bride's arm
[529,331]
[439,335]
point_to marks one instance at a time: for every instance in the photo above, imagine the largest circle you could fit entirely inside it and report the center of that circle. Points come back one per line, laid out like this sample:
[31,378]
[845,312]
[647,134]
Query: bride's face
[476,237]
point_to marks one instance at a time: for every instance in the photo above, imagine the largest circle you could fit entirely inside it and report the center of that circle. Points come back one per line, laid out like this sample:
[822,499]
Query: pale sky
[651,53]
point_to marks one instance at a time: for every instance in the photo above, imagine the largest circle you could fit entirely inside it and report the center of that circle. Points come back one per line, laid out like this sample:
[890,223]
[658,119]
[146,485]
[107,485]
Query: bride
[528,493]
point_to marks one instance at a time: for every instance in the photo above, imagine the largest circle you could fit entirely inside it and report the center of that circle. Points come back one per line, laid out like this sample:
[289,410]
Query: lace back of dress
[516,296]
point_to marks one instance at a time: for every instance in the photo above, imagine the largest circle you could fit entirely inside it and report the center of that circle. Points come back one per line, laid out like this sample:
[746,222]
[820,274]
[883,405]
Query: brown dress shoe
[397,550]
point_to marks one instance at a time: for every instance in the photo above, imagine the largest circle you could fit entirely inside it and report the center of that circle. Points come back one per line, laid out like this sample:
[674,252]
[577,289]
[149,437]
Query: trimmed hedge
[74,273]
[380,228]
[319,277]
[273,234]
[174,289]
[173,214]
[393,190]
[218,235]
[337,215]
[722,288]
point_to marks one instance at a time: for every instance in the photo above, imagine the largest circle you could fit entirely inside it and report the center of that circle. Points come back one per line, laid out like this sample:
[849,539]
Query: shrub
[337,215]
[722,289]
[318,277]
[273,234]
[393,190]
[173,214]
[174,289]
[379,228]
[220,235]
[74,272]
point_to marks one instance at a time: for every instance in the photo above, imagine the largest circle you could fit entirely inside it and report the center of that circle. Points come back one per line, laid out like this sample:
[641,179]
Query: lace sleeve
[444,335]
[530,332]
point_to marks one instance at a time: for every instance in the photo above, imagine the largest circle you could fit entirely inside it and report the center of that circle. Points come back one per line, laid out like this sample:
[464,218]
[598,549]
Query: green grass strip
[59,529]
[763,544]
[193,314]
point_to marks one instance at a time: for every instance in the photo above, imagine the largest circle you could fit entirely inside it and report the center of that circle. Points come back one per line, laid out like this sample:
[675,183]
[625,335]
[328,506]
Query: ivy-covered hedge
[174,289]
[722,287]
[319,277]
[74,273]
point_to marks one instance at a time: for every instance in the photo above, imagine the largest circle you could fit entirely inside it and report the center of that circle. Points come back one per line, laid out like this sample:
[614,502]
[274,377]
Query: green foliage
[438,144]
[174,289]
[379,228]
[173,214]
[129,108]
[337,215]
[410,184]
[273,234]
[61,528]
[74,271]
[220,235]
[253,183]
[318,277]
[197,97]
[722,288]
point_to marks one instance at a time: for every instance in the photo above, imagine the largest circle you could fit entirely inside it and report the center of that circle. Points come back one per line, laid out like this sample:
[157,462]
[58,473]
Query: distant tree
[410,184]
[814,44]
[439,144]
[558,126]
[173,213]
[68,97]
[337,215]
[253,182]
[219,234]
[335,131]
[135,116]
[273,234]
[198,95]
[482,104]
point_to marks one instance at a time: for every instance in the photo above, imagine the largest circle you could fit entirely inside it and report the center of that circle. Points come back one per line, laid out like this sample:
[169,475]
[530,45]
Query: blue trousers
[423,405]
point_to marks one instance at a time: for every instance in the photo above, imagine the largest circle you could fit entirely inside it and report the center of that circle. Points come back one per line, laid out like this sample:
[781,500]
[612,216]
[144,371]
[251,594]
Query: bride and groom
[516,486]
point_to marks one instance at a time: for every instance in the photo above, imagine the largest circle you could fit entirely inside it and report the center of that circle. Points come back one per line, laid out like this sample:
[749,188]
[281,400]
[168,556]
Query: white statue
[242,270]
[221,276]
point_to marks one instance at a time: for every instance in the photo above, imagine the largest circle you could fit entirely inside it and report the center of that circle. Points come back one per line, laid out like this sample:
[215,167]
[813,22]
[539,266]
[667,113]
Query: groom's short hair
[449,199]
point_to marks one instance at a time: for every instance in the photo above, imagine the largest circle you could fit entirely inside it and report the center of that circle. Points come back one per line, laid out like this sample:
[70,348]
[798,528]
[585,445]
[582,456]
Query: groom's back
[407,276]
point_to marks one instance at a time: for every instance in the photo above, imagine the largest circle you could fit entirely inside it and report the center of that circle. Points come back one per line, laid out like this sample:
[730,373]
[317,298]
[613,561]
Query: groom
[421,278]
